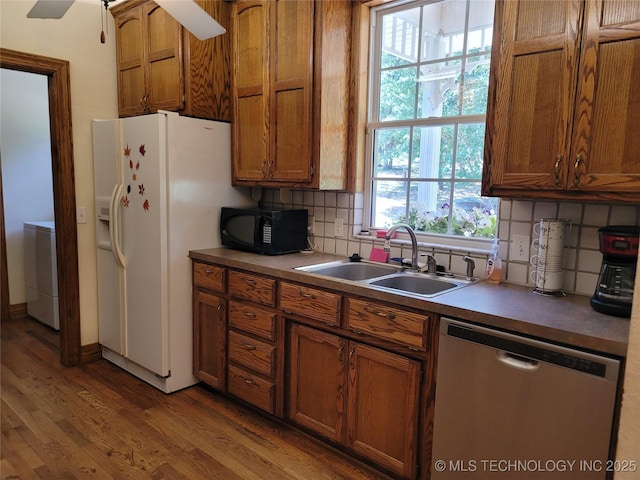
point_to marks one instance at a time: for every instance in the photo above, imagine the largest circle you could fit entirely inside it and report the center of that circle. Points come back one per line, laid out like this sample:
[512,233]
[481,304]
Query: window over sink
[429,82]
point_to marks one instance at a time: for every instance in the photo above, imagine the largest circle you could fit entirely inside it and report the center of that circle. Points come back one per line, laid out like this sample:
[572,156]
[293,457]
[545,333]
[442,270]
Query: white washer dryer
[41,276]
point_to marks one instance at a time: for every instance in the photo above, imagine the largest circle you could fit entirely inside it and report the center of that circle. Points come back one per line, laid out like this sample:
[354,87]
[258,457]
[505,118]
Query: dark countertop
[566,320]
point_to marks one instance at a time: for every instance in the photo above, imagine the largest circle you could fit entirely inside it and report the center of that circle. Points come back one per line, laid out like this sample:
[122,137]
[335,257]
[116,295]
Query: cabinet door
[251,80]
[317,381]
[291,37]
[209,345]
[165,81]
[383,408]
[606,145]
[529,127]
[130,62]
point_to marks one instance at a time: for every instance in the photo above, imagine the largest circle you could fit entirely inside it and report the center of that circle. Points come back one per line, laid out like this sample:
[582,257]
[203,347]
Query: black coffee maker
[614,292]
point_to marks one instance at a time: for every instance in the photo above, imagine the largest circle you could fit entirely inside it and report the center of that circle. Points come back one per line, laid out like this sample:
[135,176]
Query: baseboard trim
[18,310]
[90,353]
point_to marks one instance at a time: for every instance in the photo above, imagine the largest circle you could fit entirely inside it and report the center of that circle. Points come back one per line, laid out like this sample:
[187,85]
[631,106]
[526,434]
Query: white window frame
[433,239]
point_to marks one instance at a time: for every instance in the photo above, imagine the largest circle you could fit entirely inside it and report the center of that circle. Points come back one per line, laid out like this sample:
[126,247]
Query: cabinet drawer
[251,353]
[252,287]
[388,323]
[310,303]
[208,276]
[252,389]
[252,320]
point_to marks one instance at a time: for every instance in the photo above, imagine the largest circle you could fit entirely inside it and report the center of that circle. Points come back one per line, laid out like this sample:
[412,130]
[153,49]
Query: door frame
[64,195]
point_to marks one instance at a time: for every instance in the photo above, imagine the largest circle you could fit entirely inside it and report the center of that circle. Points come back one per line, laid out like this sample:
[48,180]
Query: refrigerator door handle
[114,226]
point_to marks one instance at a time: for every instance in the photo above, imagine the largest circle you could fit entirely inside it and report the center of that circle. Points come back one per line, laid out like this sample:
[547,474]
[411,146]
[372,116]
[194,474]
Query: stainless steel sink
[347,270]
[418,283]
[387,277]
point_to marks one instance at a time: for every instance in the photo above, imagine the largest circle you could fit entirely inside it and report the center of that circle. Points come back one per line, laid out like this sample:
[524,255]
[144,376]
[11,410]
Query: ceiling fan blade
[192,17]
[49,8]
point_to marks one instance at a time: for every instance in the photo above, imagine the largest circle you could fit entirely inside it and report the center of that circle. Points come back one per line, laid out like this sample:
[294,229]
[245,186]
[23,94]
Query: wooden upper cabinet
[251,95]
[606,144]
[161,66]
[562,106]
[291,86]
[149,59]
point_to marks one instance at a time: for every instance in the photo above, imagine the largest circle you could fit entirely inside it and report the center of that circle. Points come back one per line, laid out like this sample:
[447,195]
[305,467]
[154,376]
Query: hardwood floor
[97,421]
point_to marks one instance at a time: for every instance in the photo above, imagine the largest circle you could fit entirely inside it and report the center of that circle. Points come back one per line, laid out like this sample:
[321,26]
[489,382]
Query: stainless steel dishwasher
[510,407]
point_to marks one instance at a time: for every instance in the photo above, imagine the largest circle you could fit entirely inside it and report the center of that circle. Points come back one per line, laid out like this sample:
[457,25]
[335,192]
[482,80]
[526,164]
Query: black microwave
[270,232]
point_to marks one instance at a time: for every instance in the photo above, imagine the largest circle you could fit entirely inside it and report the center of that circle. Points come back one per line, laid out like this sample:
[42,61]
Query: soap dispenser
[494,264]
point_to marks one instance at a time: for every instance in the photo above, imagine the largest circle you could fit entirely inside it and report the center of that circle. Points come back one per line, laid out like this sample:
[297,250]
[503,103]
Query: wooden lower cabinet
[317,399]
[362,397]
[209,333]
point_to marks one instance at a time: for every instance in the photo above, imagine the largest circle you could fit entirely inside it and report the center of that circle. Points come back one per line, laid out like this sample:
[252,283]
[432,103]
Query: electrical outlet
[339,227]
[520,248]
[81,214]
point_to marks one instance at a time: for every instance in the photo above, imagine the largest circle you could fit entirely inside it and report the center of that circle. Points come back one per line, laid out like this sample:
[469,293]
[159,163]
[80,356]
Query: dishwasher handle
[517,361]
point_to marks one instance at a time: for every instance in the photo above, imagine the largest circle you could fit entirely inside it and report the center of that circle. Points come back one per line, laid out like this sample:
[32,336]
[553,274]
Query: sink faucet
[414,243]
[432,265]
[470,266]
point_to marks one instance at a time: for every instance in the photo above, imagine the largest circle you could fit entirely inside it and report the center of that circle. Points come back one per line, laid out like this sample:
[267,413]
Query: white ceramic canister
[548,275]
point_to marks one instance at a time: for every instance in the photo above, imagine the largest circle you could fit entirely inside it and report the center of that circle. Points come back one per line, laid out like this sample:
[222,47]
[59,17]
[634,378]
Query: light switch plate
[81,215]
[520,248]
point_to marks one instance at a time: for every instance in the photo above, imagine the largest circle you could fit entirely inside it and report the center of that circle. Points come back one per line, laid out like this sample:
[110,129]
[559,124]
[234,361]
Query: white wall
[25,149]
[76,38]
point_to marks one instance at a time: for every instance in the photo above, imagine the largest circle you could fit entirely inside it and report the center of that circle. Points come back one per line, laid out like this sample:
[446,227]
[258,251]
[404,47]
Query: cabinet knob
[576,173]
[556,170]
[340,350]
[307,295]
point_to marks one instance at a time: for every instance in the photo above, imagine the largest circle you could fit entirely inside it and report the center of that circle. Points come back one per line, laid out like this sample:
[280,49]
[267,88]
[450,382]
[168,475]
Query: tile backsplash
[582,257]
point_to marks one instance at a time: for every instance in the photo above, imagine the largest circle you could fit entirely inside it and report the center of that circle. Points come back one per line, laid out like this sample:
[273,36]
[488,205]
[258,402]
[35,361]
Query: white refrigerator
[160,181]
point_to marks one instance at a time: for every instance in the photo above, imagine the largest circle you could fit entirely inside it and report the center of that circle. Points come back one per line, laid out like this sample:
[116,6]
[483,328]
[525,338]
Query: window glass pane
[443,29]
[432,152]
[480,25]
[439,85]
[400,37]
[397,94]
[429,211]
[389,202]
[391,152]
[473,215]
[469,151]
[433,74]
[476,85]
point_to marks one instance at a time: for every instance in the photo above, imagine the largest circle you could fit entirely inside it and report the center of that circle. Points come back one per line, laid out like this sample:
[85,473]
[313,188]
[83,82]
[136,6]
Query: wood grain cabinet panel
[317,395]
[161,66]
[291,84]
[252,287]
[256,321]
[208,276]
[359,396]
[209,334]
[387,323]
[252,388]
[251,353]
[382,412]
[255,356]
[310,302]
[562,113]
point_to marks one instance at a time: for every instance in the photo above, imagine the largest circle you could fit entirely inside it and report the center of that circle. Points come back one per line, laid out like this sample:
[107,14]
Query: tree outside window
[431,79]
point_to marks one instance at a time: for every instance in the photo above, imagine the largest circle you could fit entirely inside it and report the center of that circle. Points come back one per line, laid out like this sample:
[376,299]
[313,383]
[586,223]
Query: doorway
[57,72]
